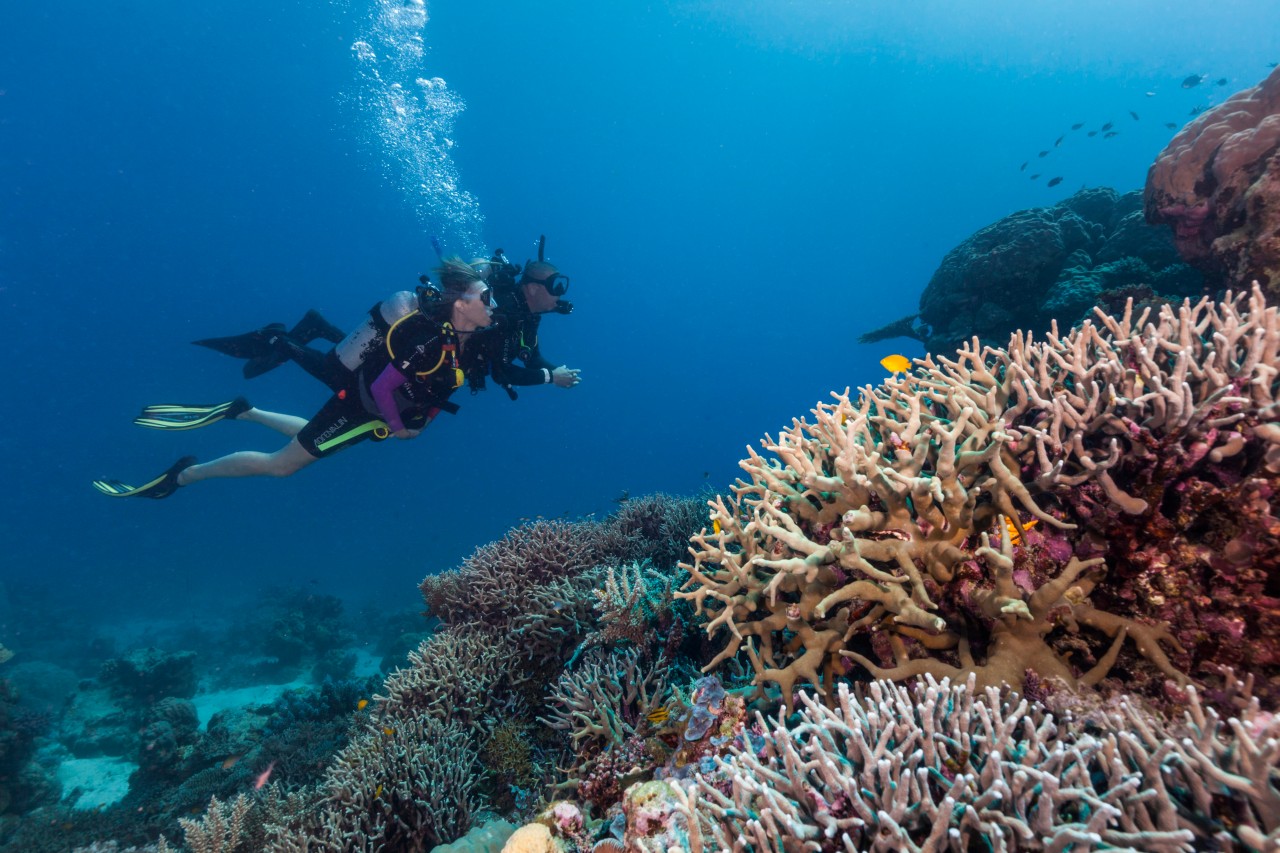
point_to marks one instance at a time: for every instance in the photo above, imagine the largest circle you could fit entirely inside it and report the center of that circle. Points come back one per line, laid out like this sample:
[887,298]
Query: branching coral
[942,767]
[865,531]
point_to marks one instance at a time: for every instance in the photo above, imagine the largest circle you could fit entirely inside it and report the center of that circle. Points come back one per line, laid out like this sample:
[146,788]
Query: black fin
[255,344]
[313,325]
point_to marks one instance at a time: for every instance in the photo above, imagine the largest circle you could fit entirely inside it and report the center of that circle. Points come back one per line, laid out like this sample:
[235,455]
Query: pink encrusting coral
[1217,184]
[892,532]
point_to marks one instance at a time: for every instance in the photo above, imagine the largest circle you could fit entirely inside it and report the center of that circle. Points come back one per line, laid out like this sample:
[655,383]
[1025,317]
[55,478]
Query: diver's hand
[407,433]
[565,377]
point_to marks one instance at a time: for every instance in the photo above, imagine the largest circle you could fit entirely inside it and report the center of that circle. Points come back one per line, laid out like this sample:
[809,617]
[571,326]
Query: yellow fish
[715,526]
[388,731]
[896,363]
[362,704]
[1014,536]
[377,793]
[658,715]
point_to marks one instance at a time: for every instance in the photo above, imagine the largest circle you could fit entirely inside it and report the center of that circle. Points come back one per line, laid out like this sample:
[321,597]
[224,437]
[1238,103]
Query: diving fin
[253,344]
[191,417]
[161,487]
[313,325]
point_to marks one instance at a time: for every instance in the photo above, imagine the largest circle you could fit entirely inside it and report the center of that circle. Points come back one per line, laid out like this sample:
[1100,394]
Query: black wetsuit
[426,354]
[512,338]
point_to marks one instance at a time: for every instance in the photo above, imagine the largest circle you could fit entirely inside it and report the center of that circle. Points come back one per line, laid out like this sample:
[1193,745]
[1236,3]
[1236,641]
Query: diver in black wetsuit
[404,378]
[509,350]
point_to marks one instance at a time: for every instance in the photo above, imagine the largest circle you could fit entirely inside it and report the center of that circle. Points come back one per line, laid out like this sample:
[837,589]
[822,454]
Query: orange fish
[896,363]
[388,731]
[263,776]
[1014,536]
[230,761]
[362,704]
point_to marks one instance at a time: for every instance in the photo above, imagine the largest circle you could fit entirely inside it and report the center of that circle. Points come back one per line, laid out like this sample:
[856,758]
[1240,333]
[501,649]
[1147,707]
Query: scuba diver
[409,367]
[513,337]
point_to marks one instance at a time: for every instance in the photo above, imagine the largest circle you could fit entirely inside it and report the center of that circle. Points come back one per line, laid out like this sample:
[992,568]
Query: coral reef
[895,525]
[1042,265]
[149,675]
[1217,185]
[946,767]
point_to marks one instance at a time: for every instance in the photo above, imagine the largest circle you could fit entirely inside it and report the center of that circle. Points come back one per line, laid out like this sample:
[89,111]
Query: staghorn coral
[405,787]
[487,586]
[944,767]
[601,707]
[867,531]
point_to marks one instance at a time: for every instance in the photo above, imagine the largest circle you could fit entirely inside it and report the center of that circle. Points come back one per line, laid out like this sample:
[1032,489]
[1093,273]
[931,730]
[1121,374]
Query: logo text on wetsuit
[328,434]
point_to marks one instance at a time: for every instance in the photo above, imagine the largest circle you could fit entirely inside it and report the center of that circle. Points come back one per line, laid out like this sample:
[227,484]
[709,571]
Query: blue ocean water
[737,189]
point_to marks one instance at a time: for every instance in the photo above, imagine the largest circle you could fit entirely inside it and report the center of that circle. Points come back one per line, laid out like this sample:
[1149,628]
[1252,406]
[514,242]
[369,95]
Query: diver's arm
[383,392]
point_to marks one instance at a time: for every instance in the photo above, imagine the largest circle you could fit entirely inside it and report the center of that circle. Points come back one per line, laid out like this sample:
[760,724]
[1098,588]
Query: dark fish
[1220,82]
[1058,141]
[1077,125]
[1193,81]
[1023,168]
[1271,65]
[1036,175]
[1171,125]
[1093,133]
[1107,126]
[1044,154]
[1135,115]
[1053,182]
[1195,111]
[1110,134]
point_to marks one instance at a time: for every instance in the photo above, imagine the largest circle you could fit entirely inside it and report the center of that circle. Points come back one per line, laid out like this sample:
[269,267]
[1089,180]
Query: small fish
[1036,175]
[1171,125]
[1058,141]
[1024,165]
[1193,81]
[1220,82]
[1077,125]
[362,704]
[263,777]
[1195,111]
[1107,126]
[1135,115]
[1043,154]
[1014,536]
[230,761]
[1110,133]
[1271,65]
[658,715]
[1093,133]
[715,526]
[388,731]
[377,792]
[1053,182]
[1150,94]
[896,363]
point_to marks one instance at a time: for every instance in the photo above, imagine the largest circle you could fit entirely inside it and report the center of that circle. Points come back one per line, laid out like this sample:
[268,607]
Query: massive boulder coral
[1217,184]
[1044,264]
[896,525]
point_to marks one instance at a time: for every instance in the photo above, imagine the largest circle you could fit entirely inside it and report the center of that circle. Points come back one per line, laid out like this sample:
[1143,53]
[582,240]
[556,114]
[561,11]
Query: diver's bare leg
[289,425]
[250,463]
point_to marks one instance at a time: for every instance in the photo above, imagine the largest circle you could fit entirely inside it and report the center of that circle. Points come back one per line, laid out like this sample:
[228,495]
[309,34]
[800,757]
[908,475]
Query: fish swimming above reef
[1195,111]
[1024,165]
[1192,81]
[1107,126]
[1135,115]
[1044,154]
[1077,125]
[1110,134]
[1053,182]
[1172,125]
[1093,133]
[1220,82]
[1036,175]
[1058,141]
[896,363]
